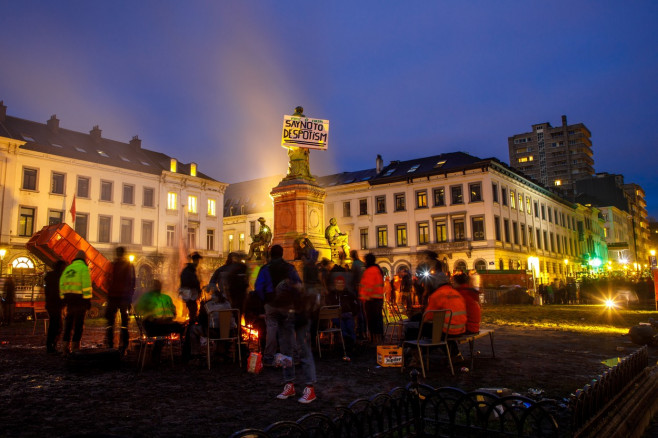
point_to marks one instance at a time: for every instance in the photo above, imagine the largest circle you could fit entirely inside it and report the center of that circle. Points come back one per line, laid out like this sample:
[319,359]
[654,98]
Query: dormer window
[439,164]
[103,154]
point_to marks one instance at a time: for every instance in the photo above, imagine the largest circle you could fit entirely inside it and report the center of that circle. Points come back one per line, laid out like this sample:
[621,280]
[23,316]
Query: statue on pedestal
[298,164]
[335,238]
[303,248]
[260,241]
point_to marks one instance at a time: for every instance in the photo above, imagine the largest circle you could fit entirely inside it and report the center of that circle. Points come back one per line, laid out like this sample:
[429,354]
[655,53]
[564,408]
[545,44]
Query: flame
[248,331]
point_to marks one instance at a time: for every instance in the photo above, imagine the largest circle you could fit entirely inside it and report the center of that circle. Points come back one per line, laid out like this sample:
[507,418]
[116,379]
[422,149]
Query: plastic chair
[329,314]
[146,340]
[438,319]
[225,332]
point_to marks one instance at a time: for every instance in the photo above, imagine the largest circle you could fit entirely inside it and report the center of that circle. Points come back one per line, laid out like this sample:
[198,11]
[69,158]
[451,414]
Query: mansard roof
[91,147]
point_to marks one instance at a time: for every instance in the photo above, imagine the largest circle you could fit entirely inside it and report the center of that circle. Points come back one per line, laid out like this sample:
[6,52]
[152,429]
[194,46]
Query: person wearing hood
[53,305]
[75,291]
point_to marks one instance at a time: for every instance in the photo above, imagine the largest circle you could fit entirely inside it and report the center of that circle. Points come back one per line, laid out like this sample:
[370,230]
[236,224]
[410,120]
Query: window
[523,237]
[148,199]
[29,179]
[212,207]
[380,204]
[476,192]
[536,209]
[421,199]
[494,188]
[439,196]
[557,243]
[400,202]
[515,232]
[192,204]
[191,237]
[147,233]
[55,217]
[512,199]
[530,237]
[57,184]
[106,191]
[503,192]
[545,241]
[506,230]
[543,212]
[26,221]
[363,238]
[423,233]
[401,235]
[528,205]
[520,202]
[382,237]
[126,231]
[478,228]
[458,230]
[363,207]
[347,209]
[128,194]
[552,242]
[441,232]
[83,187]
[210,239]
[480,265]
[539,239]
[171,235]
[497,227]
[241,242]
[172,201]
[456,195]
[104,228]
[81,220]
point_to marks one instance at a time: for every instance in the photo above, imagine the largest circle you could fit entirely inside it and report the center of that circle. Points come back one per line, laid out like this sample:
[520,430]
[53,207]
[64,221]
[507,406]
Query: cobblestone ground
[41,396]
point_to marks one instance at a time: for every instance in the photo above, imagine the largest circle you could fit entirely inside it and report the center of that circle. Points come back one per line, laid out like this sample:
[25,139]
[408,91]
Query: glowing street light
[2,258]
[131,258]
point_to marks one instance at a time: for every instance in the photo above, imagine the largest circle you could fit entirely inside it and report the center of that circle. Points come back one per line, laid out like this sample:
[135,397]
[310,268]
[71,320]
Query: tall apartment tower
[555,157]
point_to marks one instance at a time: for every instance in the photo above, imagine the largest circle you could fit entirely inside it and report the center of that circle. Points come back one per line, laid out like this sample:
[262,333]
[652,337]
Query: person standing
[472,301]
[190,281]
[371,292]
[10,300]
[120,295]
[53,306]
[358,267]
[75,290]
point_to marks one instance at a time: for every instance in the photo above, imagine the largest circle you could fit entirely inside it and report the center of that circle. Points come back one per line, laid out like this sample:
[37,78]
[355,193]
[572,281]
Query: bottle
[281,360]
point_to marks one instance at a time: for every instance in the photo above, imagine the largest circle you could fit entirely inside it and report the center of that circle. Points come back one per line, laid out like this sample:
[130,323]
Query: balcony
[450,247]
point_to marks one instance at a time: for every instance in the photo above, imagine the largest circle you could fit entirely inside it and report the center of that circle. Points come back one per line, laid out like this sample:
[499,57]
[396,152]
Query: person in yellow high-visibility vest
[75,290]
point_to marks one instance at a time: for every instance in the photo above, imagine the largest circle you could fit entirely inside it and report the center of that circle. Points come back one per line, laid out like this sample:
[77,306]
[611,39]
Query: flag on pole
[72,210]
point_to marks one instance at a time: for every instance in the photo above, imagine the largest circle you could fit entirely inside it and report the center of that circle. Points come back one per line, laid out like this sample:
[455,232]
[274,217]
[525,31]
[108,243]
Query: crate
[389,355]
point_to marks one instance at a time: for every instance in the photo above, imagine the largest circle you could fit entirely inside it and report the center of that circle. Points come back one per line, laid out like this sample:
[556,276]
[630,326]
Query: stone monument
[299,205]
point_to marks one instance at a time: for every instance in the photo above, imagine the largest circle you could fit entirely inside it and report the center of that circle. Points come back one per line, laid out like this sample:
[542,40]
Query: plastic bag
[255,363]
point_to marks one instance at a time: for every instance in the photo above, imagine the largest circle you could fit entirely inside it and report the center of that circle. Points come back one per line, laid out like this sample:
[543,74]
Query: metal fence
[595,399]
[422,411]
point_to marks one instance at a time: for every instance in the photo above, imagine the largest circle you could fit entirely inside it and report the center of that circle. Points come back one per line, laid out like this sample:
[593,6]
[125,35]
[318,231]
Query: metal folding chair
[223,330]
[438,319]
[329,314]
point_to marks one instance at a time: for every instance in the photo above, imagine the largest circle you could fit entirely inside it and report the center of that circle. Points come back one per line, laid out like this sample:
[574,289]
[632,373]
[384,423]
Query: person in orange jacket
[472,300]
[371,292]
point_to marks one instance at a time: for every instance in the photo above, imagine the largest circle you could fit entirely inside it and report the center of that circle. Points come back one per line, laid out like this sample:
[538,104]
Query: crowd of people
[277,299]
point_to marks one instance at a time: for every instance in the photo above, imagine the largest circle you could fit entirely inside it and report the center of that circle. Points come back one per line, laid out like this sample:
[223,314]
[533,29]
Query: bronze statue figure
[335,238]
[261,241]
[298,164]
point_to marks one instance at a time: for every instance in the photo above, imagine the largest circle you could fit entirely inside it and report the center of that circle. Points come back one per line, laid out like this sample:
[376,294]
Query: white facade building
[124,195]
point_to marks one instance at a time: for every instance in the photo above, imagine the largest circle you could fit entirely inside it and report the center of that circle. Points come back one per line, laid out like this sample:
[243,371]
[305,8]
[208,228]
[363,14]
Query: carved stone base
[299,210]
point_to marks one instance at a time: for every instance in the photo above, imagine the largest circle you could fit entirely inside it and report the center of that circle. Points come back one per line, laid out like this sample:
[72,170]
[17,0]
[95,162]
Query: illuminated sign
[305,132]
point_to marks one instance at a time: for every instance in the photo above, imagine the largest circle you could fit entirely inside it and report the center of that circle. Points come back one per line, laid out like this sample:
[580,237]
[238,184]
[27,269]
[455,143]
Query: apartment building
[556,157]
[123,194]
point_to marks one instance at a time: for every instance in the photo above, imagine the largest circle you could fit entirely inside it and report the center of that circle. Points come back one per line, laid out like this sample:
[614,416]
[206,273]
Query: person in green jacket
[75,291]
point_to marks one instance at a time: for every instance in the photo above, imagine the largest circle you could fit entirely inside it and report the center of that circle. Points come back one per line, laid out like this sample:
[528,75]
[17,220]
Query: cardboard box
[389,355]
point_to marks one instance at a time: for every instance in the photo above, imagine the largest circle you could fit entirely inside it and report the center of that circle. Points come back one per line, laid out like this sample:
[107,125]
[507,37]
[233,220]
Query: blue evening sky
[210,81]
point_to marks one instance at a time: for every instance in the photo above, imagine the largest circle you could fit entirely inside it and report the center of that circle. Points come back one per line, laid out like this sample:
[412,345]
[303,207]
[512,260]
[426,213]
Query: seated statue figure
[303,248]
[261,241]
[335,237]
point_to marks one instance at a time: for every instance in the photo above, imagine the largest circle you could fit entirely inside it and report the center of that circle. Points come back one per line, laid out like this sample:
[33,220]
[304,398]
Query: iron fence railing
[422,411]
[596,398]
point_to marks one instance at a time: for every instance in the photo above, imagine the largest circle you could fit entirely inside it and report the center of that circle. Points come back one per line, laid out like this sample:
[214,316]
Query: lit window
[103,154]
[212,207]
[558,182]
[172,201]
[193,169]
[172,165]
[22,263]
[191,204]
[439,164]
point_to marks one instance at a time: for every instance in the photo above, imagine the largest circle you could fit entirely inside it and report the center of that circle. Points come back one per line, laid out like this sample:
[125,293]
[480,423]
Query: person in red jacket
[371,292]
[472,300]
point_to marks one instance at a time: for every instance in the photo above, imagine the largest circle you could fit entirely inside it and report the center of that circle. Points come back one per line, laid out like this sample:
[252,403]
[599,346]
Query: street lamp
[533,264]
[2,258]
[131,258]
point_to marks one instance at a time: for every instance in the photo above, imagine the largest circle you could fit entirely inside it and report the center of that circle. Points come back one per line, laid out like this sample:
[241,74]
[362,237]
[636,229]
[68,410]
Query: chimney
[3,111]
[379,163]
[53,124]
[564,120]
[95,133]
[136,142]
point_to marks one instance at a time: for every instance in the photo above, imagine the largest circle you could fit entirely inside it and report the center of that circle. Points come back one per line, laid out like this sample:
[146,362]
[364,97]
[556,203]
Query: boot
[75,346]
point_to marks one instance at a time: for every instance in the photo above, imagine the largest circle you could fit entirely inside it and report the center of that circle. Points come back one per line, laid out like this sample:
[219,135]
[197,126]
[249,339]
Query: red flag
[72,210]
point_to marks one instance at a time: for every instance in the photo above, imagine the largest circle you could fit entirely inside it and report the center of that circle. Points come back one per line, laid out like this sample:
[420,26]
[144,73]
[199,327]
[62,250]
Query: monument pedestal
[299,210]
